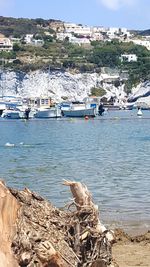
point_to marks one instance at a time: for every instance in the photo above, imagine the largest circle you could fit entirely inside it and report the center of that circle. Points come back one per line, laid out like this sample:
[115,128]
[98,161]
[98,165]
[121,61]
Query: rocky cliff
[56,84]
[63,85]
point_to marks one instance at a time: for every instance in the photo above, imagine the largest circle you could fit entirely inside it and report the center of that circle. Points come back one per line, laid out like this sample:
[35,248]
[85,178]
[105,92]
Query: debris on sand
[34,233]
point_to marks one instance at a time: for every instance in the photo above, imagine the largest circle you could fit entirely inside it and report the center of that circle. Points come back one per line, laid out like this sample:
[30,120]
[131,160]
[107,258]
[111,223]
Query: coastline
[132,245]
[132,228]
[131,251]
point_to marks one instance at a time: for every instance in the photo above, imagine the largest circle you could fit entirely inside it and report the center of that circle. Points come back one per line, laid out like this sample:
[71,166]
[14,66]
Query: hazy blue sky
[132,14]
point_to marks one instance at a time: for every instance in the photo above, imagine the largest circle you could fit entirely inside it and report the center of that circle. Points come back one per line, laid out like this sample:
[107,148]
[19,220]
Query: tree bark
[9,208]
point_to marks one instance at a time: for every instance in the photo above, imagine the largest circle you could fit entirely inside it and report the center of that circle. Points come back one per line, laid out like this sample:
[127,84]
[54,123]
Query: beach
[132,251]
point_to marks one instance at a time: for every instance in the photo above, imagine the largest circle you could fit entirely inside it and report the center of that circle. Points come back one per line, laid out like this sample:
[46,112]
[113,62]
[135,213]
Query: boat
[13,114]
[79,111]
[90,112]
[139,113]
[52,112]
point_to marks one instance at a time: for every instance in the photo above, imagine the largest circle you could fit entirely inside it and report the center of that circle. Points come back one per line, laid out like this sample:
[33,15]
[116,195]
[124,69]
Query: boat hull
[13,115]
[48,113]
[79,113]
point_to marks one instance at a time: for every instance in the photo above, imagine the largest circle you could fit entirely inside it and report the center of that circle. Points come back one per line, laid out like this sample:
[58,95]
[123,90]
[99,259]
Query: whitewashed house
[62,35]
[78,29]
[37,42]
[5,44]
[28,38]
[145,43]
[128,57]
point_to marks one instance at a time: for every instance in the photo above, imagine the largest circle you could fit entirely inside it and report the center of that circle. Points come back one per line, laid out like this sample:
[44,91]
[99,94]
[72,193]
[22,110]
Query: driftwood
[83,200]
[91,240]
[36,234]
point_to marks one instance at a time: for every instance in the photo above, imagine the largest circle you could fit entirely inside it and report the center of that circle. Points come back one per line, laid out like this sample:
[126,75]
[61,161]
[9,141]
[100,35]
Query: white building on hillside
[5,43]
[37,42]
[145,43]
[111,33]
[97,36]
[72,39]
[99,29]
[128,57]
[78,29]
[79,41]
[28,38]
[62,35]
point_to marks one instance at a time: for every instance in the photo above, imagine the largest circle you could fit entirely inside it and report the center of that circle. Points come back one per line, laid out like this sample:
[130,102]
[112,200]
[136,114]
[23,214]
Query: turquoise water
[110,154]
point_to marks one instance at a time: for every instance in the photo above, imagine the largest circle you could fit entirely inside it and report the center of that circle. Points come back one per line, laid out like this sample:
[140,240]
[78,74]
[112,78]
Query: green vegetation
[18,27]
[98,91]
[64,55]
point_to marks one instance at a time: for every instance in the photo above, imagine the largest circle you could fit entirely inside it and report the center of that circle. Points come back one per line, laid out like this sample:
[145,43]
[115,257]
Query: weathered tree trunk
[9,207]
[34,233]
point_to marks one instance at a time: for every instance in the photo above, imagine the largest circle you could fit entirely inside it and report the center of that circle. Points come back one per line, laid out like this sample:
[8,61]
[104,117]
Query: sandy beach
[132,251]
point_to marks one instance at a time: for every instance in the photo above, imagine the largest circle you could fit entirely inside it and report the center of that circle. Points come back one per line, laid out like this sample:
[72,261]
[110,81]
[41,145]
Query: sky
[131,14]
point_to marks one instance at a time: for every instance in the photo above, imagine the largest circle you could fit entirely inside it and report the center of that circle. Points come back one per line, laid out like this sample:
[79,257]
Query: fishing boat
[13,114]
[90,112]
[52,112]
[79,110]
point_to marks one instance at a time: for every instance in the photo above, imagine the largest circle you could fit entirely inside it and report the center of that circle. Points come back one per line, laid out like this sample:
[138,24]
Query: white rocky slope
[142,90]
[58,85]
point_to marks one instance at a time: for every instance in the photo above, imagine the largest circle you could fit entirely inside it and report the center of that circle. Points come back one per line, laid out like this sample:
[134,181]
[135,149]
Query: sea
[110,154]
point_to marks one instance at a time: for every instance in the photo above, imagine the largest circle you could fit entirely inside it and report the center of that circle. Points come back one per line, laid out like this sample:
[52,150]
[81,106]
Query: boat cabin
[39,102]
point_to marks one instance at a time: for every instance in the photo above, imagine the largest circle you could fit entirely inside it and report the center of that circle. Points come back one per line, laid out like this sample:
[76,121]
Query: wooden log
[9,208]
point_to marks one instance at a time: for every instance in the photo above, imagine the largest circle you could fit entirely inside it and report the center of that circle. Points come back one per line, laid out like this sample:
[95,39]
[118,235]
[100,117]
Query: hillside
[21,26]
[56,54]
[145,32]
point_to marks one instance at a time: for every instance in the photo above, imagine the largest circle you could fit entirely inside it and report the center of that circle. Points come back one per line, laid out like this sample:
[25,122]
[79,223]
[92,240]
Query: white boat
[79,112]
[52,112]
[139,113]
[13,114]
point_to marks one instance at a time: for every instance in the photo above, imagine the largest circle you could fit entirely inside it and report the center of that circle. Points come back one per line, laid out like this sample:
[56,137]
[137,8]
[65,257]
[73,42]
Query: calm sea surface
[110,154]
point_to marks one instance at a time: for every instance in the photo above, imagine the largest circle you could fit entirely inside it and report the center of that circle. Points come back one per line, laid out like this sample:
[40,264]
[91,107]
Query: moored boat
[52,112]
[139,113]
[79,112]
[13,114]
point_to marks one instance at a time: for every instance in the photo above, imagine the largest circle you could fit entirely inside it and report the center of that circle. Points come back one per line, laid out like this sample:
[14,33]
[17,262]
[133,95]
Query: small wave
[22,144]
[28,145]
[9,145]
